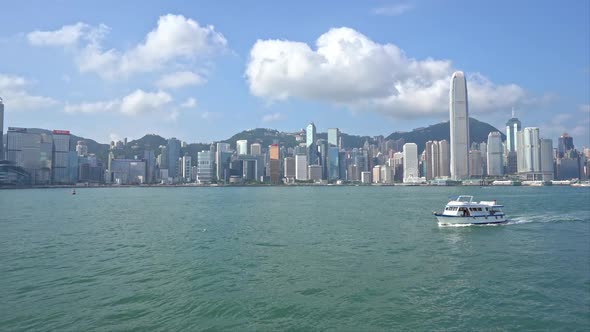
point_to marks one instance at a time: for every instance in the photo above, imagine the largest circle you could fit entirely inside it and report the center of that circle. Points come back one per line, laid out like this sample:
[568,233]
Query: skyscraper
[275,164]
[300,167]
[62,172]
[242,146]
[289,167]
[310,143]
[333,163]
[173,149]
[334,137]
[410,157]
[1,129]
[565,143]
[187,170]
[205,170]
[459,127]
[512,127]
[495,158]
[255,149]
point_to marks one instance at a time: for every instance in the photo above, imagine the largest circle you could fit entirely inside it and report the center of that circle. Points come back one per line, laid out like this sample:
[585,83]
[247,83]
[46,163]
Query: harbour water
[291,258]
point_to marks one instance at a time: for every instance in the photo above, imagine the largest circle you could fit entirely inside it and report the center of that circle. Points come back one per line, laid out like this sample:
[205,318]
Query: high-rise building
[128,171]
[475,164]
[64,170]
[275,164]
[334,137]
[512,127]
[547,169]
[242,146]
[334,163]
[565,143]
[205,169]
[150,166]
[310,143]
[322,146]
[410,162]
[301,167]
[377,174]
[255,149]
[173,149]
[1,129]
[314,172]
[495,157]
[81,148]
[459,127]
[529,150]
[429,160]
[187,169]
[289,167]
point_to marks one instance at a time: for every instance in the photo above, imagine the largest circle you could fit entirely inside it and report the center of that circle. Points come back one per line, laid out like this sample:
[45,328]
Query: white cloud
[140,102]
[349,69]
[189,103]
[67,35]
[174,40]
[136,103]
[180,79]
[584,108]
[393,10]
[272,117]
[13,91]
[101,106]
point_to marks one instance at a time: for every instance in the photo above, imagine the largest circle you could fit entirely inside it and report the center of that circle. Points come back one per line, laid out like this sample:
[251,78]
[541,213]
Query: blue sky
[202,71]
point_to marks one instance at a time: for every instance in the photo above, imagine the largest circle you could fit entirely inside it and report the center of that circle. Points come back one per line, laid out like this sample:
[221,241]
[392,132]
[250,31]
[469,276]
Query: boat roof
[468,200]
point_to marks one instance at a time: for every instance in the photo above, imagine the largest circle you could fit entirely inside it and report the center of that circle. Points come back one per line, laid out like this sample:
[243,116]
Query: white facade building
[242,146]
[459,127]
[301,167]
[187,171]
[410,157]
[495,154]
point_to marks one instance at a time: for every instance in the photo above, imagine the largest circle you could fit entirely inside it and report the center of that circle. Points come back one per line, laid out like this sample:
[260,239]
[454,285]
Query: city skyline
[188,71]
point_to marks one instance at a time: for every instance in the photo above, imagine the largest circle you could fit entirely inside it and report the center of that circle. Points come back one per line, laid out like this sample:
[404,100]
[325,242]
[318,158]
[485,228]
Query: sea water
[291,258]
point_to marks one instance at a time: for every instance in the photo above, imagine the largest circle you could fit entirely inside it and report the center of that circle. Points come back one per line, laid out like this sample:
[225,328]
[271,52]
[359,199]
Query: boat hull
[478,220]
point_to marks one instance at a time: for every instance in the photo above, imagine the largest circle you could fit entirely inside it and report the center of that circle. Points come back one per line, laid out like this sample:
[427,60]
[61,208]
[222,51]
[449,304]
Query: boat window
[486,209]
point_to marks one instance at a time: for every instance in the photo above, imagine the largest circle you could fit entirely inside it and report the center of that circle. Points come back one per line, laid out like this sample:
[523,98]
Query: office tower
[222,164]
[289,167]
[495,155]
[429,160]
[150,166]
[310,143]
[2,129]
[546,151]
[205,169]
[65,166]
[386,174]
[81,148]
[565,143]
[410,162]
[242,147]
[128,171]
[444,151]
[334,137]
[173,149]
[529,159]
[223,147]
[322,146]
[475,164]
[377,174]
[512,127]
[334,163]
[255,149]
[275,164]
[459,127]
[301,167]
[187,168]
[314,172]
[23,148]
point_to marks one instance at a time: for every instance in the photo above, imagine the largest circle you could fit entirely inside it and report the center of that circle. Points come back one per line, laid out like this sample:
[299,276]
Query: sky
[202,71]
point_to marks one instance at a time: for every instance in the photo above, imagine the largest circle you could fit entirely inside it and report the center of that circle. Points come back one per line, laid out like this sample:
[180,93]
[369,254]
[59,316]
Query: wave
[542,218]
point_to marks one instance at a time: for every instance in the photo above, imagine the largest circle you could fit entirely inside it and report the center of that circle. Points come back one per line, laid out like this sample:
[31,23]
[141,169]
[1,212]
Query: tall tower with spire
[459,127]
[1,129]
[512,127]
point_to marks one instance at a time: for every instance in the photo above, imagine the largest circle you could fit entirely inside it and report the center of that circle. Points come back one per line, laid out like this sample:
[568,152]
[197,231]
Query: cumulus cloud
[13,91]
[393,10]
[272,117]
[175,39]
[189,103]
[137,102]
[349,69]
[180,79]
[67,35]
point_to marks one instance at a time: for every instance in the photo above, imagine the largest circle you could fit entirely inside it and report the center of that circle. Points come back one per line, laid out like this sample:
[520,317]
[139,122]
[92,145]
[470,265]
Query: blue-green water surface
[291,258]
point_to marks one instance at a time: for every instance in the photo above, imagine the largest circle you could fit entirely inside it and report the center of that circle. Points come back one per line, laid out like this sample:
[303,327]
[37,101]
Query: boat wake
[518,220]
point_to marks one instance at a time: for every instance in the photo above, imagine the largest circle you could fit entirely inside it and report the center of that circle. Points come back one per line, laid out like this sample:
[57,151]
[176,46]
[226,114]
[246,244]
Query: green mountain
[477,130]
[263,136]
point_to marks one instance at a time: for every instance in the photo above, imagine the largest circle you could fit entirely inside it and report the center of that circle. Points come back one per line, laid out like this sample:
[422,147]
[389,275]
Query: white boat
[463,210]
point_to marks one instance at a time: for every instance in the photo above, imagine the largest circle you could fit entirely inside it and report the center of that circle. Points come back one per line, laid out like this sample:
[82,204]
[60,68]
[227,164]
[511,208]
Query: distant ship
[73,191]
[463,210]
